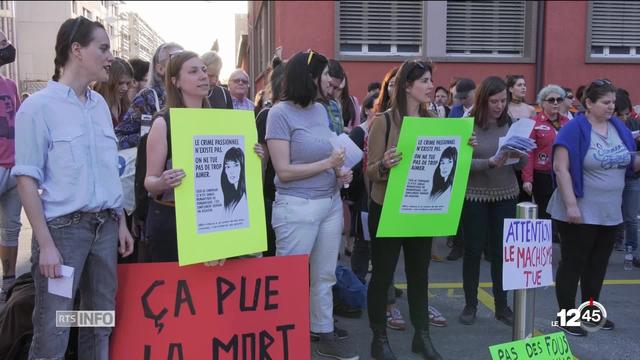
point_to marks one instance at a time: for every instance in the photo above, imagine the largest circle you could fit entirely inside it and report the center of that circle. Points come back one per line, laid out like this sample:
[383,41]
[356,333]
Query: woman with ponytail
[66,148]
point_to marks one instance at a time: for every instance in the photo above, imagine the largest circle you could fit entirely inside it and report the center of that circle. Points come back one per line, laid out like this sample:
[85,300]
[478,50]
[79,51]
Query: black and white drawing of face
[446,165]
[232,169]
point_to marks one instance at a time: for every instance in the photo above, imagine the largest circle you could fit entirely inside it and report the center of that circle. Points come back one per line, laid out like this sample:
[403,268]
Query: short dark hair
[367,104]
[140,68]
[441,88]
[622,101]
[489,87]
[73,30]
[596,90]
[275,80]
[373,86]
[300,74]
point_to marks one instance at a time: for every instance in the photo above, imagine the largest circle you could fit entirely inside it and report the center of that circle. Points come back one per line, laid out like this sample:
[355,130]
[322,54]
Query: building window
[487,28]
[86,13]
[379,28]
[262,43]
[74,7]
[613,31]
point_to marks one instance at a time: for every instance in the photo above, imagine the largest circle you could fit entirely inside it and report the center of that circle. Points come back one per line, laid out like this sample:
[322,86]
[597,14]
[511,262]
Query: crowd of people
[60,161]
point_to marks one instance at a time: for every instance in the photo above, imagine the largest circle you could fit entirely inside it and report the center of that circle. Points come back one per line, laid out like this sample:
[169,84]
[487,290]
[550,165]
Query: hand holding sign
[172,178]
[391,158]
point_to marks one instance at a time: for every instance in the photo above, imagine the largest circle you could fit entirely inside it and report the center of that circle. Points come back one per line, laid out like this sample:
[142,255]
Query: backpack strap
[386,136]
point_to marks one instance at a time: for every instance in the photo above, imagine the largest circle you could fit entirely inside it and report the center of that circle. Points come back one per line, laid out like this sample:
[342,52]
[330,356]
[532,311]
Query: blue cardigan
[575,136]
[456,111]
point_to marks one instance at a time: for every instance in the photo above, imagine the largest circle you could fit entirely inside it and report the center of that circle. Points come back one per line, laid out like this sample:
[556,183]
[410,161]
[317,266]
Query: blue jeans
[630,209]
[88,243]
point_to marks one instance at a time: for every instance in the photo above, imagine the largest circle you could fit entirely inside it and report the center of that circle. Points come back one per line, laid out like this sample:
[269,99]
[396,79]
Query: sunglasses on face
[241,81]
[557,100]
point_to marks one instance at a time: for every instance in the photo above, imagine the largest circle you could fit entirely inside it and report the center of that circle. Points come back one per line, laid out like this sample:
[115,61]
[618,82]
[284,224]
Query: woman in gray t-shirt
[591,155]
[307,211]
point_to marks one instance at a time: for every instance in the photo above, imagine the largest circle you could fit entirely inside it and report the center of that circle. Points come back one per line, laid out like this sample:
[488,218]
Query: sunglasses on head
[557,100]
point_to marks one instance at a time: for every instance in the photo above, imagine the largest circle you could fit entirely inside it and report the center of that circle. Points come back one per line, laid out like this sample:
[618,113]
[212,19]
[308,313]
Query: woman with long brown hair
[386,89]
[491,197]
[412,88]
[186,86]
[115,90]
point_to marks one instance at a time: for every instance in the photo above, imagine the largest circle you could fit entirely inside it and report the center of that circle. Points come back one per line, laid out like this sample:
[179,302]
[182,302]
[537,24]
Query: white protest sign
[527,254]
[220,185]
[430,179]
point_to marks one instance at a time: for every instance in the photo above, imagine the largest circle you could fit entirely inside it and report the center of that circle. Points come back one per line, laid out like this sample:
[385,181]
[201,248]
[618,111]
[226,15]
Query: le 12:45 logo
[590,315]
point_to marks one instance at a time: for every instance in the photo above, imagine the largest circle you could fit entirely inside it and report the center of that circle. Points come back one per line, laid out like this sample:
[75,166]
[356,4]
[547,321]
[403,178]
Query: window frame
[590,59]
[435,10]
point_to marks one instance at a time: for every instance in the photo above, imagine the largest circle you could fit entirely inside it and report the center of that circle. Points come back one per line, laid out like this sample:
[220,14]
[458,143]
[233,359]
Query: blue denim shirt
[70,149]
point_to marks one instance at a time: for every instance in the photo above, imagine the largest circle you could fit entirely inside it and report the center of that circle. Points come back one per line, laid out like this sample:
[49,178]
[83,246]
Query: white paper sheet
[364,216]
[352,152]
[63,286]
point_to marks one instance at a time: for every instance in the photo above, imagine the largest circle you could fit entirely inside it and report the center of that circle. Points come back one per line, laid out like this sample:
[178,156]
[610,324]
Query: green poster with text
[546,347]
[426,190]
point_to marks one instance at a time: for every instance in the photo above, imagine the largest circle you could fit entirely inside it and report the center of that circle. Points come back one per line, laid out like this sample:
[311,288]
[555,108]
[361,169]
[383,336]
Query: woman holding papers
[65,146]
[412,88]
[307,211]
[591,156]
[491,197]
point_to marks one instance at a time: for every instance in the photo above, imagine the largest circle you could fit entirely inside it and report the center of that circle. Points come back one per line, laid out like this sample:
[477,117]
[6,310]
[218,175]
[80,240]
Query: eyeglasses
[241,81]
[601,82]
[557,100]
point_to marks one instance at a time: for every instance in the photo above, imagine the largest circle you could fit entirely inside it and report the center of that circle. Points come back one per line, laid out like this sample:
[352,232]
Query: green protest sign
[546,347]
[426,190]
[219,205]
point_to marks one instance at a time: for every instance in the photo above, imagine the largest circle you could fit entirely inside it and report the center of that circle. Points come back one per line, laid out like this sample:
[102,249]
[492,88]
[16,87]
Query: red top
[544,134]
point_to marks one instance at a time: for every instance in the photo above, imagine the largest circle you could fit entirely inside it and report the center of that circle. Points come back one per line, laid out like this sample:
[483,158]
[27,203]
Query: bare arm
[49,259]
[159,180]
[565,185]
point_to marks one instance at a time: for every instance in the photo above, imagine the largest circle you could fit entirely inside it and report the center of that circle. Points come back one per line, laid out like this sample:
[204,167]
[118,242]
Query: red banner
[246,309]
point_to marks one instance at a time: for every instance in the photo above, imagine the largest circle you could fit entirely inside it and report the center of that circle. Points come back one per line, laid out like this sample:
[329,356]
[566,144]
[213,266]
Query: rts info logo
[590,315]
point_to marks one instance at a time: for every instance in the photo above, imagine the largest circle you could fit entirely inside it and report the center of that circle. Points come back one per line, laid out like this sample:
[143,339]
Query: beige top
[491,184]
[377,148]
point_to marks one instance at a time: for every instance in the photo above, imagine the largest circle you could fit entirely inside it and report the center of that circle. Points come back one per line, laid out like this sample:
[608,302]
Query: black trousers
[585,251]
[161,232]
[384,258]
[271,234]
[483,223]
